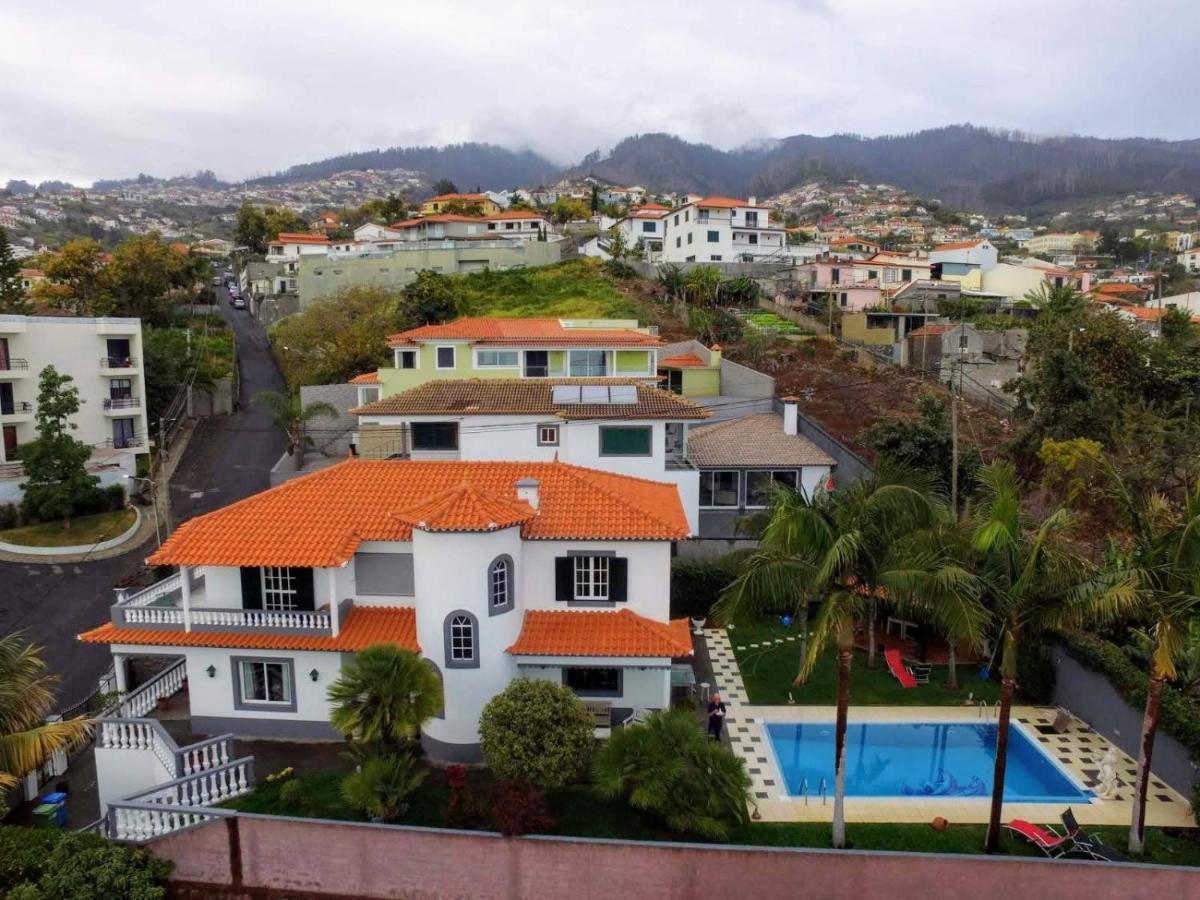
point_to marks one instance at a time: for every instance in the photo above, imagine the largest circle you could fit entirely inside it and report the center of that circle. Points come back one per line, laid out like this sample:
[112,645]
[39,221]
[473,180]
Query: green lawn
[579,812]
[83,530]
[578,288]
[768,672]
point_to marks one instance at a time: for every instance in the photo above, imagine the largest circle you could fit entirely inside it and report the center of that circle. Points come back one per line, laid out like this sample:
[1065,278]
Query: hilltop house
[289,247]
[488,570]
[721,229]
[443,202]
[963,257]
[521,348]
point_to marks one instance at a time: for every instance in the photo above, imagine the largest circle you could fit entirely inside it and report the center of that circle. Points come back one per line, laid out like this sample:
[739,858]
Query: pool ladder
[989,712]
[822,789]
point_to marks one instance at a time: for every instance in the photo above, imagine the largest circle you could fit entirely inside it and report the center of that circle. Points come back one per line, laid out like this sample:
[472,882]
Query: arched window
[500,584]
[462,640]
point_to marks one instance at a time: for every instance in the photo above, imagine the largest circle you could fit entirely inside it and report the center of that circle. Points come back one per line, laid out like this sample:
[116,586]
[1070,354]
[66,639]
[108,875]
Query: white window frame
[548,435]
[462,630]
[711,474]
[278,588]
[591,578]
[369,393]
[437,357]
[246,667]
[607,367]
[416,354]
[515,364]
[500,585]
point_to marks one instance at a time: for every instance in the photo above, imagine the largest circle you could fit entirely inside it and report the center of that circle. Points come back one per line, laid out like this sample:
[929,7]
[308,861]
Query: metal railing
[19,408]
[124,443]
[13,363]
[122,402]
[118,362]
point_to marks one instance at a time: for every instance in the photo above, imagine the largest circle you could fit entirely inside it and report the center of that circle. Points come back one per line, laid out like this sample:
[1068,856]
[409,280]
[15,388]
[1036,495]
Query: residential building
[1189,301]
[722,229]
[857,284]
[521,348]
[645,225]
[489,570]
[446,202]
[616,424]
[289,247]
[690,369]
[30,277]
[102,355]
[1058,242]
[518,225]
[1190,259]
[962,257]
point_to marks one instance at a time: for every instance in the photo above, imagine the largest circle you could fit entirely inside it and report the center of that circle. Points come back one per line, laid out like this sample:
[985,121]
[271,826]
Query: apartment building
[442,202]
[102,355]
[721,229]
[513,225]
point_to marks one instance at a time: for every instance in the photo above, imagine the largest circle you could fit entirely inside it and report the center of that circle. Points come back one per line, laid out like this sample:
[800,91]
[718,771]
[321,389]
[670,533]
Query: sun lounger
[1089,844]
[896,667]
[1051,843]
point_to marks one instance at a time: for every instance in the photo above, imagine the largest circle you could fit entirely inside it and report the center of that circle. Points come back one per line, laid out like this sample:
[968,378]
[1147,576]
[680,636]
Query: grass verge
[83,530]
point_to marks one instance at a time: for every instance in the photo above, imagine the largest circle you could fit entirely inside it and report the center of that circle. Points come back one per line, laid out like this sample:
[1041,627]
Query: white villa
[721,229]
[488,570]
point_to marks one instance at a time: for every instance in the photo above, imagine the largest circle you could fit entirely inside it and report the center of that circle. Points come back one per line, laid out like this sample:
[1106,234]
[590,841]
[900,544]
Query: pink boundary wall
[309,858]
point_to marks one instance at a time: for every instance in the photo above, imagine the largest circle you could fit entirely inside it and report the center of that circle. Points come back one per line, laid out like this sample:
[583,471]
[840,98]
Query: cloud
[115,87]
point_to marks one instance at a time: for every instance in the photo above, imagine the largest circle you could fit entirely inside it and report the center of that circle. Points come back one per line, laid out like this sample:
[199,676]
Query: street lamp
[153,503]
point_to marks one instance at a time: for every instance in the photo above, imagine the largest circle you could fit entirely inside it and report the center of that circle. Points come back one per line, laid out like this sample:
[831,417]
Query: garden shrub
[463,809]
[697,583]
[44,864]
[520,808]
[10,516]
[1035,674]
[382,785]
[669,768]
[537,731]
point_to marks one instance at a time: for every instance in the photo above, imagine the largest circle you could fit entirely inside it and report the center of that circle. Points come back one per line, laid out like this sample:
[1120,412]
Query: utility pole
[954,443]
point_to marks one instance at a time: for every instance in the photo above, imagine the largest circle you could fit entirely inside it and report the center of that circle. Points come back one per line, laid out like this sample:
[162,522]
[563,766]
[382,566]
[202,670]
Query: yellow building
[458,202]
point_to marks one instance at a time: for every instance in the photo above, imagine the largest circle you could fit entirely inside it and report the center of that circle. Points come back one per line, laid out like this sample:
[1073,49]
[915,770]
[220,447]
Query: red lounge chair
[1052,844]
[896,667]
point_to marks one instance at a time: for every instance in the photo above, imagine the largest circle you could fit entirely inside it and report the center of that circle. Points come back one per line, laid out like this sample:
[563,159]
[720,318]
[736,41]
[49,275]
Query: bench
[601,711]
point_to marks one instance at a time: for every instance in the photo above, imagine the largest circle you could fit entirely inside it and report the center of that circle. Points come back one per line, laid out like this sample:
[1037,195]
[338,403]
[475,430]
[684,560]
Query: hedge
[1179,715]
[697,583]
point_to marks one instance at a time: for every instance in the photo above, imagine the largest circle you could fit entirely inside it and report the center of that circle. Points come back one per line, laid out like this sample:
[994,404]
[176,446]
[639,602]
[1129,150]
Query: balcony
[126,442]
[117,405]
[19,411]
[119,364]
[13,368]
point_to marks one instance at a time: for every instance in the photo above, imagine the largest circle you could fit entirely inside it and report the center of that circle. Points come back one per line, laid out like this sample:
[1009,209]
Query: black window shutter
[251,587]
[304,588]
[618,574]
[564,579]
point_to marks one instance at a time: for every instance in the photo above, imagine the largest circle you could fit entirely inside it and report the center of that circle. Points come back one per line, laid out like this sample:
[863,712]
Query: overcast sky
[110,88]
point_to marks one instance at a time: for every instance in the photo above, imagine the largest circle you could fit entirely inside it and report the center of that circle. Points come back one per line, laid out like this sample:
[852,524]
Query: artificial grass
[83,530]
[579,812]
[769,669]
[578,288]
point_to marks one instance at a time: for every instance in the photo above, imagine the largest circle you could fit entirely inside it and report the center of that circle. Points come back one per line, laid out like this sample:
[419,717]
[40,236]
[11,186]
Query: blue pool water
[919,759]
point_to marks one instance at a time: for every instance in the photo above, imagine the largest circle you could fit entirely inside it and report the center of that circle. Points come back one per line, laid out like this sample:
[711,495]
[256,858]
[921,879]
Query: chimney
[527,490]
[714,355]
[751,200]
[790,415]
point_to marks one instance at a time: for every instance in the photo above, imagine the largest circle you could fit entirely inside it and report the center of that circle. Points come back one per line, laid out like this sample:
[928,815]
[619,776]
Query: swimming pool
[919,759]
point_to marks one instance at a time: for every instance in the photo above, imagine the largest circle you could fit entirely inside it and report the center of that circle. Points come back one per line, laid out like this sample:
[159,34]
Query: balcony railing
[118,362]
[13,364]
[19,408]
[122,403]
[129,442]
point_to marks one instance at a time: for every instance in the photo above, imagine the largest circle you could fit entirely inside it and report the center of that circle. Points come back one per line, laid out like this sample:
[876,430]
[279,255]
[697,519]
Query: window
[621,440]
[719,488]
[509,226]
[591,577]
[648,227]
[716,257]
[368,394]
[906,274]
[446,358]
[835,276]
[845,299]
[461,632]
[547,435]
[588,363]
[758,485]
[714,237]
[593,682]
[686,214]
[677,240]
[537,363]
[278,588]
[435,435]
[497,359]
[500,585]
[676,218]
[491,226]
[406,359]
[702,216]
[753,238]
[262,682]
[689,237]
[751,219]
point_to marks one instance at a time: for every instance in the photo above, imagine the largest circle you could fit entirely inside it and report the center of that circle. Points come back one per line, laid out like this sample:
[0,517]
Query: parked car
[239,303]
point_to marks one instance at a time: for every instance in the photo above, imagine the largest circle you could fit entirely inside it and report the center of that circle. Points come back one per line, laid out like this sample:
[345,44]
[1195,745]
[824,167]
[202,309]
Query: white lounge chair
[638,717]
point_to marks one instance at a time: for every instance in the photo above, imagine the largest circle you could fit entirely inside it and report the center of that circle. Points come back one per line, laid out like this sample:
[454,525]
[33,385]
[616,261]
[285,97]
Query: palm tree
[1057,300]
[291,417]
[384,695]
[843,548]
[1034,582]
[26,698]
[1163,561]
[701,285]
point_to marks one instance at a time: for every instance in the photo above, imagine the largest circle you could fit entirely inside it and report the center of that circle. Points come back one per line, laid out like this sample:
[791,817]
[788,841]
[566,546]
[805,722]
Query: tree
[568,209]
[291,417]
[1057,300]
[1163,562]
[382,785]
[668,768]
[383,697]
[925,443]
[27,740]
[444,186]
[12,296]
[142,272]
[256,226]
[840,546]
[537,731]
[47,864]
[429,300]
[57,483]
[701,285]
[1033,582]
[76,280]
[618,249]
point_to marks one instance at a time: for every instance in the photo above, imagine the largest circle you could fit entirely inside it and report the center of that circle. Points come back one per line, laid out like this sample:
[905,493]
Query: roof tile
[524,331]
[600,633]
[757,440]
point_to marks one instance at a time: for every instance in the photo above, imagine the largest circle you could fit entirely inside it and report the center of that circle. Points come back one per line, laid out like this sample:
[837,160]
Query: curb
[49,552]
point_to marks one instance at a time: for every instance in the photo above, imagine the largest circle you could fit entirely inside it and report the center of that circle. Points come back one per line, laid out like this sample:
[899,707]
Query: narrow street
[228,458]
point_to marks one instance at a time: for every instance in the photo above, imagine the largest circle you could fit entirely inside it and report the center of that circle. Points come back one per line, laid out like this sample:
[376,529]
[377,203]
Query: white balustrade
[152,615]
[166,683]
[139,823]
[158,589]
[206,754]
[260,618]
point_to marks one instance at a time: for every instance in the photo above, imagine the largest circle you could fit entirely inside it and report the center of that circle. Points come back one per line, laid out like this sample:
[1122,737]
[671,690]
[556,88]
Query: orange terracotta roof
[652,206]
[524,331]
[319,520]
[365,378]
[682,361]
[726,203]
[959,245]
[298,238]
[598,633]
[462,508]
[364,627]
[470,198]
[32,273]
[1119,288]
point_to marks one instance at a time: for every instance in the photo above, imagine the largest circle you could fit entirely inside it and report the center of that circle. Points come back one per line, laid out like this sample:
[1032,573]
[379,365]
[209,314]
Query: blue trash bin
[58,800]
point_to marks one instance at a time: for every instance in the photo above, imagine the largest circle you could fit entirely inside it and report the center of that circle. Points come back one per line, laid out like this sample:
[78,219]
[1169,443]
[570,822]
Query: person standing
[716,717]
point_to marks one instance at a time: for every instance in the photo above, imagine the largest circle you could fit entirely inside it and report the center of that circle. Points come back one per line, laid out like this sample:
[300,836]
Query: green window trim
[626,440]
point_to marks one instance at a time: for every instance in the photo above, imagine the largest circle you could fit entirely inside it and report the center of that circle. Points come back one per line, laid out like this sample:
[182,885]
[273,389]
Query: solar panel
[594,393]
[565,393]
[623,393]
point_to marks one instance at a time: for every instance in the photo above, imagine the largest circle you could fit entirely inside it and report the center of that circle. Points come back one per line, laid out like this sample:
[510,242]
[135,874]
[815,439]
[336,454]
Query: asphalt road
[229,457]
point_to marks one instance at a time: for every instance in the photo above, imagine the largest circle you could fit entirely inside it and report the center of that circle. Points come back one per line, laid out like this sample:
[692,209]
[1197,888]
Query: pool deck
[1078,750]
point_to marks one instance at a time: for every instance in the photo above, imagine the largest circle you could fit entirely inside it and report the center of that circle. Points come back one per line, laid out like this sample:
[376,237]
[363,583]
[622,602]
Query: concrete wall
[1091,697]
[309,859]
[123,772]
[331,436]
[850,466]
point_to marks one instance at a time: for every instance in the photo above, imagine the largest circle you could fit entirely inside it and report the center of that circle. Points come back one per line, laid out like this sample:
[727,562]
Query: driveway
[228,458]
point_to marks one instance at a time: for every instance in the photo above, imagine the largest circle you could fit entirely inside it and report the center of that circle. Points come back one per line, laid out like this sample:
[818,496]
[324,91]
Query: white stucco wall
[649,574]
[122,772]
[645,683]
[213,696]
